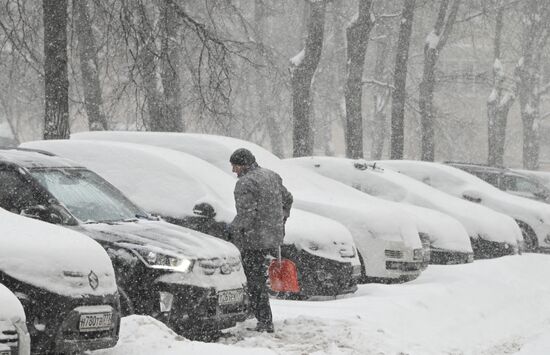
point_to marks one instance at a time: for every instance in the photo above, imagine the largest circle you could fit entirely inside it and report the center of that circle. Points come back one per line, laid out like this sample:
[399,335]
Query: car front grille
[395,254]
[223,266]
[8,336]
[403,266]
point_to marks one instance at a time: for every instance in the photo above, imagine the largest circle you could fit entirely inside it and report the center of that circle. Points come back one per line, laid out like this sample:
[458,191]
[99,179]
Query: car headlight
[161,261]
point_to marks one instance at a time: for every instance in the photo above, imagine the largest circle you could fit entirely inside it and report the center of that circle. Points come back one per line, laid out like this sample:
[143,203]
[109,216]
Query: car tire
[126,304]
[530,240]
[363,279]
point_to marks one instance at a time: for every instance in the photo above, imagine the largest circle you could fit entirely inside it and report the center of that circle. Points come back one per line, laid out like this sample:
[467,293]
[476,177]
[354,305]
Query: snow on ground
[489,307]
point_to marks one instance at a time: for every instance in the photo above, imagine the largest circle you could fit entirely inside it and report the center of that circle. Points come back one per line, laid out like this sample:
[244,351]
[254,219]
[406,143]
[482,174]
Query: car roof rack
[40,151]
[474,164]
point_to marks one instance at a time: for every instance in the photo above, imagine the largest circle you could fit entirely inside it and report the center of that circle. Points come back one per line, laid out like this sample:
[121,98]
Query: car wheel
[363,279]
[126,304]
[530,240]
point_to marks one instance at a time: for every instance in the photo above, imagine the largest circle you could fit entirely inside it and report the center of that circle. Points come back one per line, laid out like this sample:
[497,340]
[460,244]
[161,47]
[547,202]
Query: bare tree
[264,105]
[381,96]
[87,50]
[357,35]
[536,30]
[435,41]
[170,65]
[56,82]
[500,100]
[303,67]
[399,93]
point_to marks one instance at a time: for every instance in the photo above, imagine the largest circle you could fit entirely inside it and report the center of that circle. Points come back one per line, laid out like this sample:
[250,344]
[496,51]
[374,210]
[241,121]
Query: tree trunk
[380,100]
[357,35]
[536,30]
[148,69]
[172,120]
[265,111]
[56,82]
[87,50]
[499,102]
[303,69]
[435,42]
[399,94]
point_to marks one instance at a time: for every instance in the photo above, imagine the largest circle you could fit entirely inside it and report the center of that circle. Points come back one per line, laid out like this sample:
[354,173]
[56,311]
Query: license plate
[230,297]
[4,352]
[95,322]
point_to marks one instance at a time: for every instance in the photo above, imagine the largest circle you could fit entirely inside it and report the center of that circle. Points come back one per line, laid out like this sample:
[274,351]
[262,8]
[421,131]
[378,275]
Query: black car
[65,283]
[193,282]
[507,180]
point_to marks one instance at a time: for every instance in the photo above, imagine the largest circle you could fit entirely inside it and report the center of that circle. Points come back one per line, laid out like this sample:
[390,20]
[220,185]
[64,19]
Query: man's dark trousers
[255,265]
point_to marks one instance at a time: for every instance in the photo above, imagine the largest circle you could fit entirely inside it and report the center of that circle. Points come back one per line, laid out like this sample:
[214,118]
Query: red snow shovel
[283,275]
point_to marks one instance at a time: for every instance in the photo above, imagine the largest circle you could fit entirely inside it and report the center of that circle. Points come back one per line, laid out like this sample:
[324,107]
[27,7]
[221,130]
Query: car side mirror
[204,210]
[472,196]
[43,213]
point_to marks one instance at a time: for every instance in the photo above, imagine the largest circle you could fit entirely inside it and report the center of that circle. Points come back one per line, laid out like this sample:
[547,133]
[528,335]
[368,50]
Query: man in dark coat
[263,205]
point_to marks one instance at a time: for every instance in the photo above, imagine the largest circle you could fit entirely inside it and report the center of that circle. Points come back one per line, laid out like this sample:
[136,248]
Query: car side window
[491,178]
[524,185]
[16,192]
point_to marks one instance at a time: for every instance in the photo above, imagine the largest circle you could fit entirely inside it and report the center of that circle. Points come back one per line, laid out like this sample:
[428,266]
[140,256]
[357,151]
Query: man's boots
[263,327]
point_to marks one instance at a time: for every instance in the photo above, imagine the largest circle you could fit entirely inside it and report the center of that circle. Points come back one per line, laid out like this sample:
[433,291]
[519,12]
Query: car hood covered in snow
[162,237]
[53,258]
[170,183]
[363,215]
[390,185]
[10,307]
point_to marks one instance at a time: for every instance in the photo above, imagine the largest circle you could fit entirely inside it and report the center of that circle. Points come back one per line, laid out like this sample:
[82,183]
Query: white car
[14,336]
[178,186]
[386,237]
[532,217]
[449,239]
[65,282]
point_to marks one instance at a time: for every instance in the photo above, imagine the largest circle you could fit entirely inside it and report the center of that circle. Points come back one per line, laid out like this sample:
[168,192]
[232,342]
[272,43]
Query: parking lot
[497,306]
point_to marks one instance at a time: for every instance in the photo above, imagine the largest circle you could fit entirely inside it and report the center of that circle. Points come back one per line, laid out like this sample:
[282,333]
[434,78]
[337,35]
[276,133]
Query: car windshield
[86,195]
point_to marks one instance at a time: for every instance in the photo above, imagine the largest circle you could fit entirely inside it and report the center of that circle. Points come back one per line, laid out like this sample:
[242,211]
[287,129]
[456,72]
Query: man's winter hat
[242,156]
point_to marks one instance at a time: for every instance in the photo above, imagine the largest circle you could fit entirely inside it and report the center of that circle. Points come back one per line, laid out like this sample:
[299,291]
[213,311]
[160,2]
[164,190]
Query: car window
[491,178]
[16,192]
[86,195]
[521,184]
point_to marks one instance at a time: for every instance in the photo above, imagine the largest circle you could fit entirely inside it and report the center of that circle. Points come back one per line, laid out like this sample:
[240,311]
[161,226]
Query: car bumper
[54,325]
[486,249]
[196,310]
[449,257]
[319,276]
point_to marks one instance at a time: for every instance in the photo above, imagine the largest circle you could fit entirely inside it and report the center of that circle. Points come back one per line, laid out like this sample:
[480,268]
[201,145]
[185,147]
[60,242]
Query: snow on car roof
[388,184]
[52,257]
[312,192]
[170,183]
[10,307]
[459,183]
[34,159]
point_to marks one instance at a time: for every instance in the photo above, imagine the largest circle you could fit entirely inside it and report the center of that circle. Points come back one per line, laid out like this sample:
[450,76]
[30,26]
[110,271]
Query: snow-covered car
[64,281]
[515,182]
[188,191]
[14,336]
[532,217]
[449,240]
[386,237]
[193,282]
